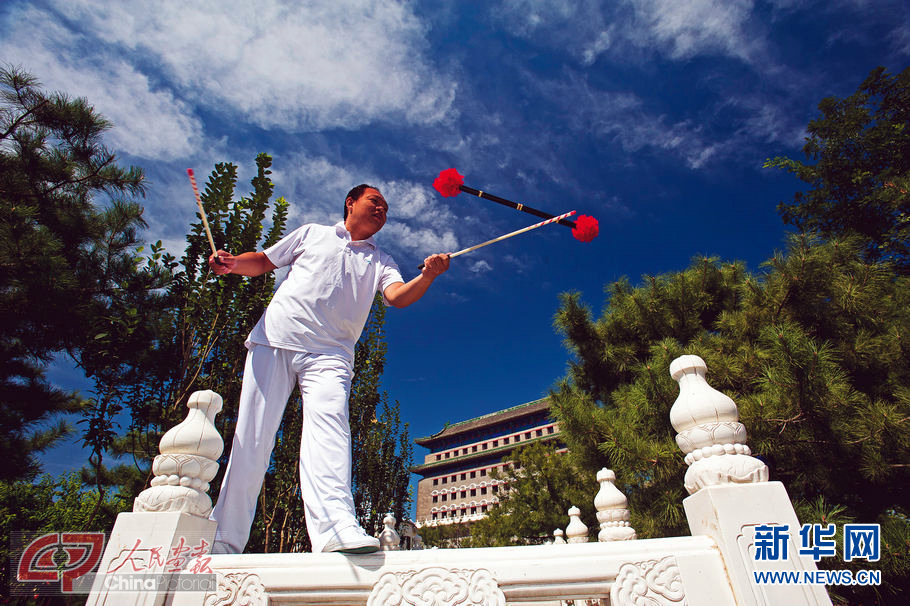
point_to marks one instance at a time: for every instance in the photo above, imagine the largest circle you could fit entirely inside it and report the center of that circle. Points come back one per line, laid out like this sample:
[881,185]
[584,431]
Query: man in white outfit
[307,334]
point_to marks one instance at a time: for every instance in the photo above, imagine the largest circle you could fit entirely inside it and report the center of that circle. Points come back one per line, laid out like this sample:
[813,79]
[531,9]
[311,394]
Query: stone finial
[576,530]
[558,537]
[612,510]
[709,431]
[410,539]
[188,461]
[389,539]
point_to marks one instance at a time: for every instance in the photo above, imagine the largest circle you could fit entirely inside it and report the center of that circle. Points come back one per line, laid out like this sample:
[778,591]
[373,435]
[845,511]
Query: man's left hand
[435,265]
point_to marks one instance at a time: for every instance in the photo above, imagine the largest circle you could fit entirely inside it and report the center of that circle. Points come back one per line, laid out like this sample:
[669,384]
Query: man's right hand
[222,262]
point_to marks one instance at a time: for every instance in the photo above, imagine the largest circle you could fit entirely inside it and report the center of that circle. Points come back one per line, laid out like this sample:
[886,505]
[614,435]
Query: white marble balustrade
[730,495]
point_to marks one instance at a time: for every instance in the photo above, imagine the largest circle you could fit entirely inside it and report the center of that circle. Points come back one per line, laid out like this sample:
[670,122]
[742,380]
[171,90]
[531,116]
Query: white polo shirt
[323,304]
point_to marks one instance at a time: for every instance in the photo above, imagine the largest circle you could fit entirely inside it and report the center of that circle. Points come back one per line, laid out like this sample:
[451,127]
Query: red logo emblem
[63,556]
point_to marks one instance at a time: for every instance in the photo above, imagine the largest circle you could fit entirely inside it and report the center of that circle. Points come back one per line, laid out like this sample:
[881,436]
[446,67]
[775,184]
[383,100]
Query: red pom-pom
[448,182]
[585,229]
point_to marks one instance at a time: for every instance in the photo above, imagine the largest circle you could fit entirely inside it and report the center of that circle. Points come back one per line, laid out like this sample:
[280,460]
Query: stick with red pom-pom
[449,183]
[558,219]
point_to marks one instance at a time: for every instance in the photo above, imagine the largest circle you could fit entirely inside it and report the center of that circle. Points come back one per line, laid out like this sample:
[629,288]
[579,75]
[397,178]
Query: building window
[474,448]
[439,456]
[434,516]
[435,481]
[539,432]
[473,492]
[435,498]
[453,478]
[495,443]
[473,474]
[464,476]
[464,493]
[447,455]
[505,440]
[527,435]
[483,490]
[483,446]
[550,429]
[483,472]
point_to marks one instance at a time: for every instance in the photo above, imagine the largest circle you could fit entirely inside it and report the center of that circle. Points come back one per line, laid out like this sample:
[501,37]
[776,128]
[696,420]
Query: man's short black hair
[356,193]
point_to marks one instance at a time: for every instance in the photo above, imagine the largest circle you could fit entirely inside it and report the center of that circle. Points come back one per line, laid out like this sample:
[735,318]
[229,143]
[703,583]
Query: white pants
[325,444]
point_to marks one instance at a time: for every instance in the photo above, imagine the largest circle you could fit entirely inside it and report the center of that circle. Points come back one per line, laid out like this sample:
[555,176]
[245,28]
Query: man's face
[367,212]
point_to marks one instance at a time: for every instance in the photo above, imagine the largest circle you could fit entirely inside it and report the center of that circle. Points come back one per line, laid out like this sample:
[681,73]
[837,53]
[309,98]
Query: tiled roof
[488,419]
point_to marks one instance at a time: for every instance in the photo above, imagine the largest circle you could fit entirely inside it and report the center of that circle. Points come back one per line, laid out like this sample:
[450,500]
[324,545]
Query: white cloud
[601,44]
[316,187]
[900,38]
[766,121]
[589,29]
[622,117]
[423,241]
[301,66]
[584,28]
[148,122]
[480,267]
[526,17]
[698,27]
[416,202]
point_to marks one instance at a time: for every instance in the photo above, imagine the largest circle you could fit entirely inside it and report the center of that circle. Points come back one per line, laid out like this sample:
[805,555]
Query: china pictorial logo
[860,542]
[66,563]
[57,557]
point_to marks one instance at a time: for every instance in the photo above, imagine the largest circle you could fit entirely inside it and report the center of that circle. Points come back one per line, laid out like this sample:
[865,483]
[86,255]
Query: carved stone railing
[686,570]
[730,496]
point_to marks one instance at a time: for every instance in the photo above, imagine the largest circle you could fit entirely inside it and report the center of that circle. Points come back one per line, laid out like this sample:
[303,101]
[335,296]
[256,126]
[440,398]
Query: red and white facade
[457,486]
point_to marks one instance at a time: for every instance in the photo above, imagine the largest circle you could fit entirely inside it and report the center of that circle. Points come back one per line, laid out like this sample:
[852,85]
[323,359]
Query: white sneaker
[352,540]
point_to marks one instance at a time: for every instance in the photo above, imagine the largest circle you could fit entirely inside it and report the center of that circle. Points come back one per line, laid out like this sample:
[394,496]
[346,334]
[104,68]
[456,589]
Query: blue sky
[654,116]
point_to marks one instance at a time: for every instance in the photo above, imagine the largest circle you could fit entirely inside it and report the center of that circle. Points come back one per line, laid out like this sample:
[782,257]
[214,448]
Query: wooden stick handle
[205,221]
[509,235]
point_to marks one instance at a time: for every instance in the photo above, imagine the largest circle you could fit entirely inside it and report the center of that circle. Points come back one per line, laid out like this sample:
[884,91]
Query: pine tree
[72,284]
[859,170]
[68,229]
[814,352]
